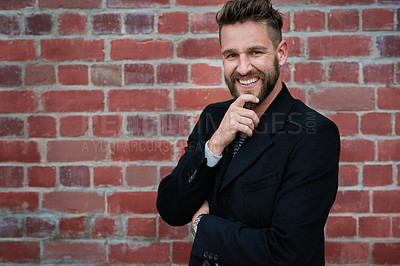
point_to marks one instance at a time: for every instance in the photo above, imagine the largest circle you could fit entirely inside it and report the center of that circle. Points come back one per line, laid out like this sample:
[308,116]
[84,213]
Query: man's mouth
[248,81]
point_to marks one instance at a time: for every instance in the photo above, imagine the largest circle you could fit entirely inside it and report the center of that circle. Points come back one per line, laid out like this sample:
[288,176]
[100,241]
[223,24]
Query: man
[259,175]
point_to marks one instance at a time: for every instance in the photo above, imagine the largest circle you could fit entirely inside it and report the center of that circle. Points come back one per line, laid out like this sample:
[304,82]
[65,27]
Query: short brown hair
[240,11]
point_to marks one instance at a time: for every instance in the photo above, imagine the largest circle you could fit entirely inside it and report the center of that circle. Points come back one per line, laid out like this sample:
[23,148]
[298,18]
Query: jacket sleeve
[300,211]
[181,193]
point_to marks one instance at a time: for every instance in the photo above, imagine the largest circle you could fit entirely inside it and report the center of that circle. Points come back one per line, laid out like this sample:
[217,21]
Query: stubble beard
[268,84]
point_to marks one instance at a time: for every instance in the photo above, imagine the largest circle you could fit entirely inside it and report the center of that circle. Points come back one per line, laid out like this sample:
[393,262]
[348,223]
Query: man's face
[250,60]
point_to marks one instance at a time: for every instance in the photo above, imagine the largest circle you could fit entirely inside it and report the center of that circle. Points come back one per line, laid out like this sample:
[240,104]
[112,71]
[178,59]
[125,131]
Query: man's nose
[244,66]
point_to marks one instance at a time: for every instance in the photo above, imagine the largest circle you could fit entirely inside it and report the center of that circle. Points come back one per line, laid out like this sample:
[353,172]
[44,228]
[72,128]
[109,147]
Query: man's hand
[236,119]
[204,209]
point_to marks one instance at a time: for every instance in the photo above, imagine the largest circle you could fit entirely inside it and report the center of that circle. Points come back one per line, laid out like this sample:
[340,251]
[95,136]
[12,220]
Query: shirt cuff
[212,159]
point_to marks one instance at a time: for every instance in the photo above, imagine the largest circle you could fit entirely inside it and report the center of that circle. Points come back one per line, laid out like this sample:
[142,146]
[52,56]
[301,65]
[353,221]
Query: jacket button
[216,257]
[205,263]
[210,256]
[205,254]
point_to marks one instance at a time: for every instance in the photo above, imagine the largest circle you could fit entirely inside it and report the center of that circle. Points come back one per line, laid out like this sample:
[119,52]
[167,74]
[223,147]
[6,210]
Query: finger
[242,99]
[249,114]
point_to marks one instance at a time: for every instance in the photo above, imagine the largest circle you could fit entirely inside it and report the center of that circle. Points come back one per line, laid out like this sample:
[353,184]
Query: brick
[165,171]
[73,75]
[288,2]
[310,72]
[378,73]
[17,202]
[194,48]
[341,2]
[203,22]
[11,176]
[72,4]
[342,98]
[335,46]
[200,2]
[139,23]
[10,227]
[139,74]
[10,76]
[309,20]
[396,226]
[351,201]
[73,202]
[40,75]
[386,201]
[341,226]
[141,150]
[8,5]
[376,124]
[107,125]
[346,252]
[72,49]
[348,175]
[172,232]
[72,23]
[141,175]
[132,202]
[42,127]
[377,175]
[73,101]
[19,251]
[146,253]
[74,227]
[398,65]
[74,252]
[197,99]
[75,176]
[106,75]
[41,176]
[73,126]
[346,122]
[106,227]
[286,21]
[357,150]
[19,151]
[142,125]
[180,148]
[11,126]
[130,49]
[296,46]
[388,46]
[76,150]
[173,23]
[175,125]
[38,227]
[397,124]
[107,23]
[105,176]
[388,150]
[298,93]
[136,4]
[181,252]
[139,100]
[205,74]
[17,50]
[343,20]
[374,227]
[40,24]
[386,253]
[343,72]
[172,73]
[377,19]
[141,227]
[389,97]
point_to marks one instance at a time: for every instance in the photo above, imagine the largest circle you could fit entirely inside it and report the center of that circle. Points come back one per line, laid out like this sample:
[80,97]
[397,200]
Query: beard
[268,83]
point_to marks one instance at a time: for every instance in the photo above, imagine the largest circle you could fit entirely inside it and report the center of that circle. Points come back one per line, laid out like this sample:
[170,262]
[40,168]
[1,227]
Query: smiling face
[251,63]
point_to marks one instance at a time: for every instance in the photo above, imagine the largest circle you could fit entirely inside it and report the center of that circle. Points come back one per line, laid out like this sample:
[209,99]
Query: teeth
[247,82]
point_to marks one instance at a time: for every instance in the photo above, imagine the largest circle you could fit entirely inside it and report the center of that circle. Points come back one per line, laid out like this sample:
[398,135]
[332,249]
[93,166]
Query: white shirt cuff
[212,159]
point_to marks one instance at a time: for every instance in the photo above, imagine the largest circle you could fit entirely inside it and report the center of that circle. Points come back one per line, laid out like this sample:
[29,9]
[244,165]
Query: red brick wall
[98,96]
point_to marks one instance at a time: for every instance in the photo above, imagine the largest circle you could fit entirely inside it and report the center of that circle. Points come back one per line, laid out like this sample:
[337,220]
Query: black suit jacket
[268,204]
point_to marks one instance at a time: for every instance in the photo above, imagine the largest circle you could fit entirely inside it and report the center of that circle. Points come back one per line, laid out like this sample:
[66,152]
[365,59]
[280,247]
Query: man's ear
[282,52]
